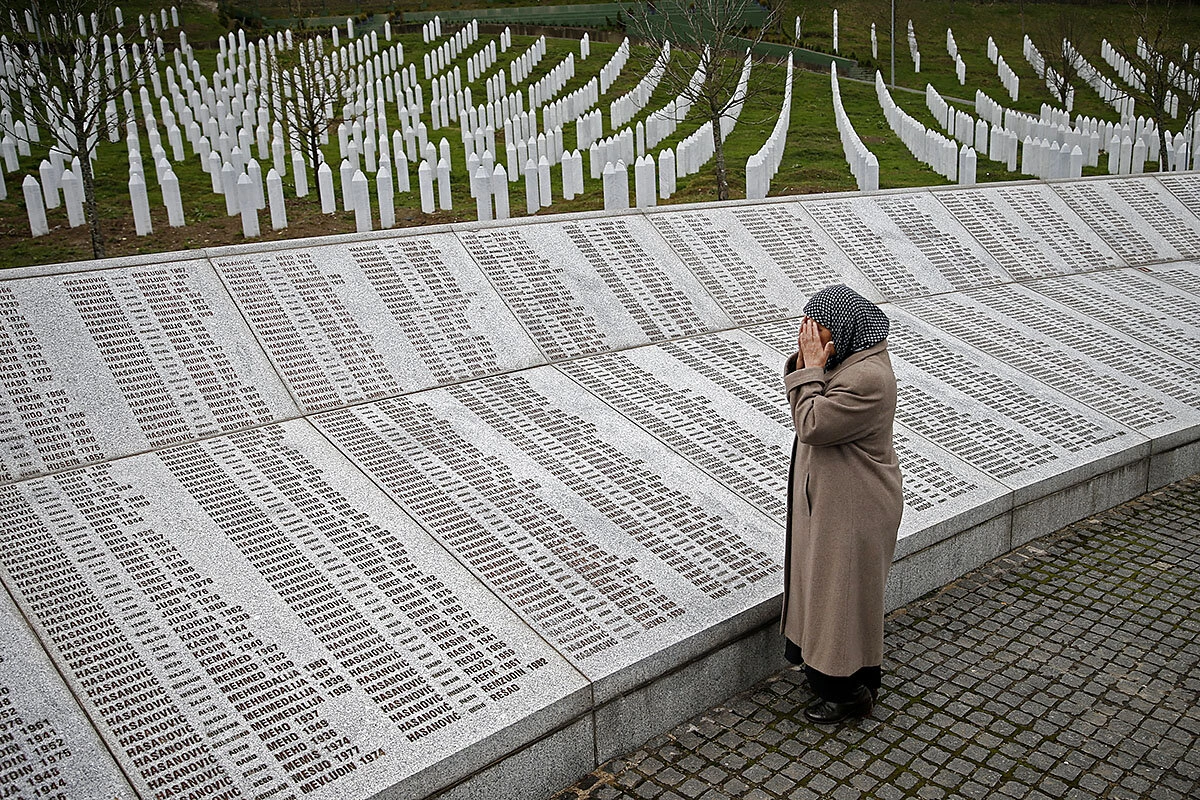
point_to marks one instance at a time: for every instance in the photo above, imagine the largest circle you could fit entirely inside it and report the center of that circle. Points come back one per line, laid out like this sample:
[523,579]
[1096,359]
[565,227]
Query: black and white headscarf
[855,321]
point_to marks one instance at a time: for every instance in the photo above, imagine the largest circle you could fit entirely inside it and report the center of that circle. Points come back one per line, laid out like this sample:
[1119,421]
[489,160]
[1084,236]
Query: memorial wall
[464,511]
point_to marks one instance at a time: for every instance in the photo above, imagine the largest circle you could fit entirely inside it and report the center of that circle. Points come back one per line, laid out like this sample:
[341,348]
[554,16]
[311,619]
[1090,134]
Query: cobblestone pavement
[1069,668]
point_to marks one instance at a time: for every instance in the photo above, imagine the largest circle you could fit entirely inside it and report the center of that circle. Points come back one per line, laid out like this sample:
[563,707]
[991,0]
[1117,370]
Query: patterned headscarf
[855,321]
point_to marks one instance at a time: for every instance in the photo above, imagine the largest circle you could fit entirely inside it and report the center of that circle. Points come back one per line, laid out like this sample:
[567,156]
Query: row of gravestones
[691,154]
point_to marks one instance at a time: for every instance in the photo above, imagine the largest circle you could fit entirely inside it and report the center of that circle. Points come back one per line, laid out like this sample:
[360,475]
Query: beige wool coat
[844,507]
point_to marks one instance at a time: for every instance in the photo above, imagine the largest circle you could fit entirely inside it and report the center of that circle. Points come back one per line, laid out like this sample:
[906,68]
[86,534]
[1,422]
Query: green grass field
[813,160]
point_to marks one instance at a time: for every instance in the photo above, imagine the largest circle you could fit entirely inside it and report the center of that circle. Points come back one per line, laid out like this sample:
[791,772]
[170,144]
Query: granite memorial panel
[48,748]
[466,559]
[997,419]
[250,615]
[1138,217]
[1150,392]
[592,285]
[610,545]
[99,364]
[1181,274]
[1185,186]
[760,262]
[907,245]
[350,322]
[1029,229]
[714,399]
[1161,316]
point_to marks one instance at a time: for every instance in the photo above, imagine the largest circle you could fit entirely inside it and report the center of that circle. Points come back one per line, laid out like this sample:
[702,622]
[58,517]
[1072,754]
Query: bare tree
[712,31]
[1060,56]
[311,87]
[1166,75]
[65,62]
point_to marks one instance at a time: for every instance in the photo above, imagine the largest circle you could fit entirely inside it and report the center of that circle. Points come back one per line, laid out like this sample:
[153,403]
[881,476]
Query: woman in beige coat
[844,501]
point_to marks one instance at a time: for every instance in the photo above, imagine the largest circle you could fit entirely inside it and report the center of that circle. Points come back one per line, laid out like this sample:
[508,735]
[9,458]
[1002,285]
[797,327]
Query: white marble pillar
[445,201]
[472,168]
[403,184]
[481,187]
[49,181]
[1137,163]
[545,198]
[500,191]
[229,177]
[1076,163]
[35,205]
[644,182]
[425,182]
[346,174]
[360,198]
[172,198]
[246,204]
[532,192]
[325,189]
[666,173]
[967,162]
[299,174]
[275,200]
[141,205]
[385,189]
[72,189]
[255,172]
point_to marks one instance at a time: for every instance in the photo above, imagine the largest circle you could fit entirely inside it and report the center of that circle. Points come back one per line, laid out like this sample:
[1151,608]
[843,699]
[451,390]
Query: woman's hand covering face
[815,344]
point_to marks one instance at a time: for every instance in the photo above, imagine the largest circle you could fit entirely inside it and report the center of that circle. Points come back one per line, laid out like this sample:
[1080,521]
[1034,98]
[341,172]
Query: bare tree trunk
[1163,158]
[88,180]
[718,142]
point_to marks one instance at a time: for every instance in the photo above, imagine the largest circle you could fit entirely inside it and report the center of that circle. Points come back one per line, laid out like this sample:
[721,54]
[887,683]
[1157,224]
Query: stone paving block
[1065,669]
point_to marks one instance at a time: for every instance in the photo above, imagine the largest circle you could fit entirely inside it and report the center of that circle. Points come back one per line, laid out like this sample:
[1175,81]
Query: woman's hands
[814,350]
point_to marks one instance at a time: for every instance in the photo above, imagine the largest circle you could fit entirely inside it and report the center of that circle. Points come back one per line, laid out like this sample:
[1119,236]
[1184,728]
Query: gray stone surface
[538,492]
[1029,229]
[1180,274]
[1018,431]
[907,244]
[1139,218]
[611,546]
[594,284]
[1186,188]
[1082,356]
[1160,316]
[715,399]
[105,363]
[266,604]
[759,262]
[49,748]
[351,322]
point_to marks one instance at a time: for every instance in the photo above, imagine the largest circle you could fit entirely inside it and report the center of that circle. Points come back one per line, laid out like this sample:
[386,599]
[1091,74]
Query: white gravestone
[387,197]
[532,192]
[500,191]
[325,189]
[425,181]
[35,206]
[360,195]
[279,219]
[445,201]
[481,183]
[172,199]
[245,194]
[141,205]
[73,198]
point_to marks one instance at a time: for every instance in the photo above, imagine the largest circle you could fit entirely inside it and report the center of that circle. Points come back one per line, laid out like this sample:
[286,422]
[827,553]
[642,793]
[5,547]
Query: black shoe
[824,712]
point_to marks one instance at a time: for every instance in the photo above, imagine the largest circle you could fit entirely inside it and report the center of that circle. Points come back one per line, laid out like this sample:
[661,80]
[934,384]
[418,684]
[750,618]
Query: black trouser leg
[835,688]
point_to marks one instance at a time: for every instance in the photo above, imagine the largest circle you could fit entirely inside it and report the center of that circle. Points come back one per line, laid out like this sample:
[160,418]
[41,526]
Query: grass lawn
[812,162]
